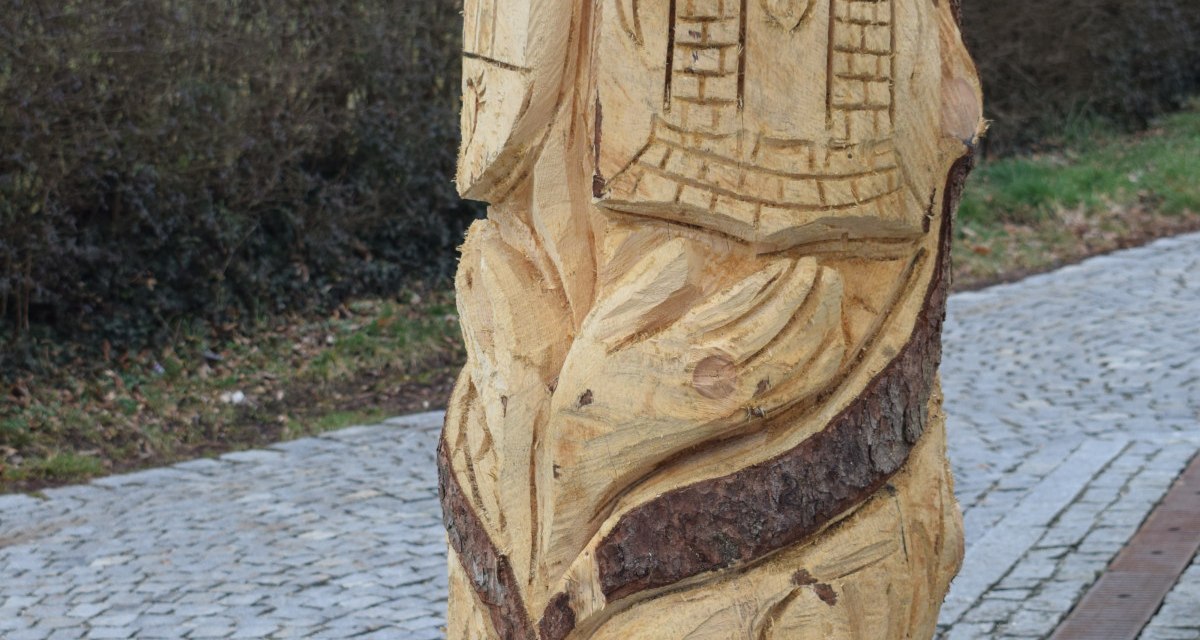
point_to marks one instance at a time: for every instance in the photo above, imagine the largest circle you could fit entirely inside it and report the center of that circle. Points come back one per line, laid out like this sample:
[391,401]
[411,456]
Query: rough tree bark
[704,318]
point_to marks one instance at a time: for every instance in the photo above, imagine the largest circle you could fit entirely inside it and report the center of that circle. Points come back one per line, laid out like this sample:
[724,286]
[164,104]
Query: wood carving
[703,318]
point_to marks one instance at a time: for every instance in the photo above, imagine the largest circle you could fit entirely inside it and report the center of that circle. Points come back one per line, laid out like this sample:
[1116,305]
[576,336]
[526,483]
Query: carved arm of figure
[703,318]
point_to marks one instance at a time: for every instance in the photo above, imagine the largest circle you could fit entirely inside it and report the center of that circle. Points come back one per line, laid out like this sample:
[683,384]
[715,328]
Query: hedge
[164,161]
[1047,66]
[222,160]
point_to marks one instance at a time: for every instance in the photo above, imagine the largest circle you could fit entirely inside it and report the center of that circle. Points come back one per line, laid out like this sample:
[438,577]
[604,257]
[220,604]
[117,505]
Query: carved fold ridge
[743,517]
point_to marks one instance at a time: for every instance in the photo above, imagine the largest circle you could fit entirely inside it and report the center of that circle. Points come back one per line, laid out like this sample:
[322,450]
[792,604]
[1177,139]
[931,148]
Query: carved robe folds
[703,319]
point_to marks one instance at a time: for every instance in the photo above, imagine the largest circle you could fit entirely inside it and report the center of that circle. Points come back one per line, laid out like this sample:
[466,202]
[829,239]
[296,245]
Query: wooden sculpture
[704,317]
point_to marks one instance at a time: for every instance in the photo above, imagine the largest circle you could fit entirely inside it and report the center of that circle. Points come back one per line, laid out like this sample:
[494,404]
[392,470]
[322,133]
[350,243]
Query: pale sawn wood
[702,318]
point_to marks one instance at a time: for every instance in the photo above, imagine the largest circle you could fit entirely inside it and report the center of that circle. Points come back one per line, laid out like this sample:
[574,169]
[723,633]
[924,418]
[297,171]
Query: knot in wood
[715,377]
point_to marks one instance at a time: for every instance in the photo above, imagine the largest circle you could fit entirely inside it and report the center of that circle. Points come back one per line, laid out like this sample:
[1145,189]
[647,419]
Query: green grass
[388,338]
[1160,167]
[363,363]
[14,432]
[1101,191]
[60,467]
[342,419]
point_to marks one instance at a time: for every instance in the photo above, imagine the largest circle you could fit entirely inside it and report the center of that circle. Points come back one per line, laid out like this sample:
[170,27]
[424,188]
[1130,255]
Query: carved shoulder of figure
[515,56]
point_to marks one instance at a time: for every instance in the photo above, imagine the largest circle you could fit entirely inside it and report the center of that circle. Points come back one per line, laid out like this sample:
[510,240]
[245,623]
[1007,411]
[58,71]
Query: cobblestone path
[332,537]
[1073,402]
[1073,397]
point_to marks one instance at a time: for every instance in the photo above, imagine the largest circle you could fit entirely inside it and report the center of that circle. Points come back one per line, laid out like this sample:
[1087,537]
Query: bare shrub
[226,160]
[162,159]
[1049,64]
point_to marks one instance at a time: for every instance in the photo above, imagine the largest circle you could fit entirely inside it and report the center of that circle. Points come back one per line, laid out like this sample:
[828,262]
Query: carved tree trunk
[704,318]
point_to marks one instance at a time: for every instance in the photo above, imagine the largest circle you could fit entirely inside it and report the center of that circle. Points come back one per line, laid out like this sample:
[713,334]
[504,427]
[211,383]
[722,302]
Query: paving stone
[969,631]
[254,630]
[307,446]
[253,457]
[87,610]
[203,465]
[992,610]
[13,504]
[1056,597]
[110,633]
[1031,623]
[1004,545]
[1169,633]
[208,630]
[1179,616]
[27,634]
[152,477]
[358,433]
[159,632]
[113,620]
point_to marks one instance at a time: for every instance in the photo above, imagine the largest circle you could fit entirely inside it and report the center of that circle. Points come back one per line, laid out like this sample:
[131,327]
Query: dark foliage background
[221,161]
[164,161]
[1049,67]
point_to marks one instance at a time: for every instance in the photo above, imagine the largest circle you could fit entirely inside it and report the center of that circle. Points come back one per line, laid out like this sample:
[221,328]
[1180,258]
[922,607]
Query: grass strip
[1103,191]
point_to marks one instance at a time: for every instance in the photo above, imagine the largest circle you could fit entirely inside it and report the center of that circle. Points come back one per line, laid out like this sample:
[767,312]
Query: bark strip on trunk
[742,517]
[490,573]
